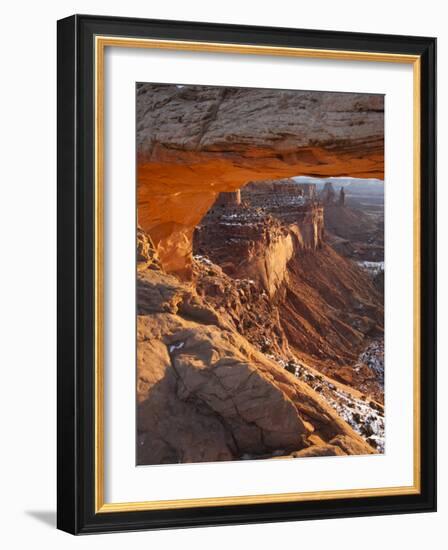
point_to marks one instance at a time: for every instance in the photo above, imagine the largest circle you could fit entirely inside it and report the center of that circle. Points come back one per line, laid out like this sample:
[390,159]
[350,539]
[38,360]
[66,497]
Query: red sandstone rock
[192,144]
[205,394]
[311,301]
[256,238]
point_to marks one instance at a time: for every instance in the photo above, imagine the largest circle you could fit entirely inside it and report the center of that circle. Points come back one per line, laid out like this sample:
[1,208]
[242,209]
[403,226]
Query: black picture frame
[76,255]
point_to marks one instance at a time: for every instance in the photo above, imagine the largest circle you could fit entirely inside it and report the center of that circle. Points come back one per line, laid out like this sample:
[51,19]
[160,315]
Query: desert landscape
[260,274]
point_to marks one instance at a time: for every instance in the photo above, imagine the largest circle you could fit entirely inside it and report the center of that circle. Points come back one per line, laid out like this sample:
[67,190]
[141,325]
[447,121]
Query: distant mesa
[282,192]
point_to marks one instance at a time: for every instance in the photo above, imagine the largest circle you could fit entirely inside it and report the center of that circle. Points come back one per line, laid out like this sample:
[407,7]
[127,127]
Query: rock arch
[194,142]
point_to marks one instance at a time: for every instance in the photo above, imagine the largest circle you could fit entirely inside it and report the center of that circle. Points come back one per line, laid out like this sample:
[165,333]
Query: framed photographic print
[246,274]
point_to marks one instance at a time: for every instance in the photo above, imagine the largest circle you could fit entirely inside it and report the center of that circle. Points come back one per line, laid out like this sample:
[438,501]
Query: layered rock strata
[310,301]
[254,242]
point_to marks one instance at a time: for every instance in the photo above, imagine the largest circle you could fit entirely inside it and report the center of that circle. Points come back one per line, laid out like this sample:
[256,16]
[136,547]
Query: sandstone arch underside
[194,142]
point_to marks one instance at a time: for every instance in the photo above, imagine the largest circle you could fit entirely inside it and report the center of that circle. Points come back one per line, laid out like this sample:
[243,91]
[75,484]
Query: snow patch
[365,416]
[174,347]
[372,268]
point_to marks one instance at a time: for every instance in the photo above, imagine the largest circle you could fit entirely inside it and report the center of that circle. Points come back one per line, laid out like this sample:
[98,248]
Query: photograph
[246,269]
[220,275]
[260,273]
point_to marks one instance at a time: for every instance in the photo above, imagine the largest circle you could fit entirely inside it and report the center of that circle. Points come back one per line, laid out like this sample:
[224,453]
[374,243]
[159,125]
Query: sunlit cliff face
[195,142]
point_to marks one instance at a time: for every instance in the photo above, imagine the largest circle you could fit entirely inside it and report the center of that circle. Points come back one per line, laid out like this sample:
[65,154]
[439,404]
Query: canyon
[259,309]
[325,305]
[258,355]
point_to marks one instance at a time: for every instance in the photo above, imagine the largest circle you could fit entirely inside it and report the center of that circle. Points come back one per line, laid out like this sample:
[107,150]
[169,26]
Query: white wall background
[28,271]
